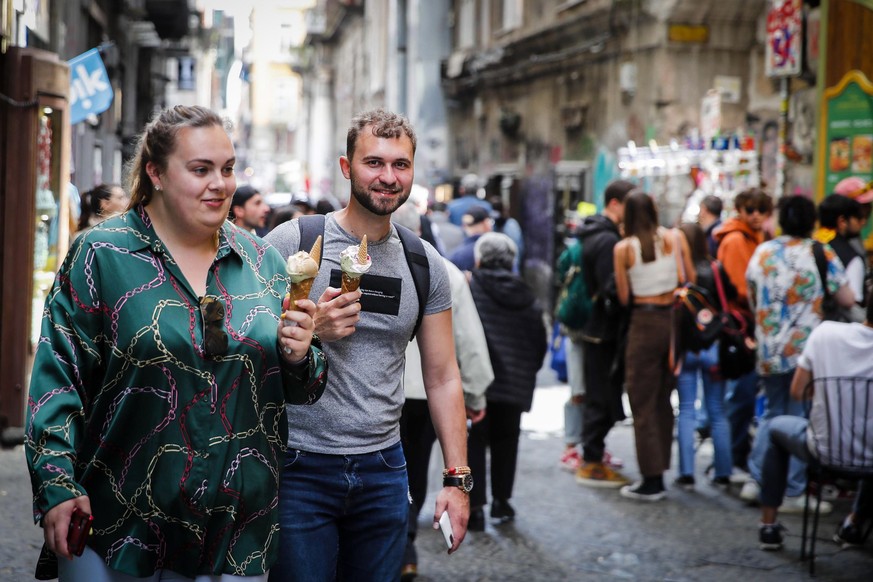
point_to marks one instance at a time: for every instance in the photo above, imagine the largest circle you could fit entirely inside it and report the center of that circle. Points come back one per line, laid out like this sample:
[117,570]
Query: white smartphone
[446,527]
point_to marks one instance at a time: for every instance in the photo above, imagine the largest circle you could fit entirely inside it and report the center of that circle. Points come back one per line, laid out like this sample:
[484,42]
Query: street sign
[90,90]
[784,38]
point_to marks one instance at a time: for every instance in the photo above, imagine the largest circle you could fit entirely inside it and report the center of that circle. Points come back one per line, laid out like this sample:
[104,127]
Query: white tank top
[657,277]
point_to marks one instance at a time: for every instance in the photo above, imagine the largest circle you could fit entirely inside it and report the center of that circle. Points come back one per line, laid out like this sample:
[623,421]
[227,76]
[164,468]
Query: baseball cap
[855,188]
[475,215]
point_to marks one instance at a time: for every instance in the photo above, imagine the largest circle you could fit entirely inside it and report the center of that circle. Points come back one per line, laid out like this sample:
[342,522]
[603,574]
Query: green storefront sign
[846,136]
[847,124]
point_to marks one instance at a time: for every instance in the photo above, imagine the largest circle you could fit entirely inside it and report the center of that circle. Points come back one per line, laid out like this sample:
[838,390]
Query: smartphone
[80,529]
[446,527]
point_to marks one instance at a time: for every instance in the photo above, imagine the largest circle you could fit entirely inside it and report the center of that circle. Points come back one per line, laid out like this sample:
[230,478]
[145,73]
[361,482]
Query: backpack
[574,304]
[311,226]
[697,322]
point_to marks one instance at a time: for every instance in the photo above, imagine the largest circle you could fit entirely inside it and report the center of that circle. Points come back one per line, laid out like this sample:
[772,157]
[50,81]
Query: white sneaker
[796,504]
[750,492]
[740,477]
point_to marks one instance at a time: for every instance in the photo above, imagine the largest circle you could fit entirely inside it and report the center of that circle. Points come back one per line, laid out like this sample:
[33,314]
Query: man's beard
[379,207]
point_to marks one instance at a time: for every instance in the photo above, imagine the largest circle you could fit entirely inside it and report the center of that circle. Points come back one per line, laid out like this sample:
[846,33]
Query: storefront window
[45,249]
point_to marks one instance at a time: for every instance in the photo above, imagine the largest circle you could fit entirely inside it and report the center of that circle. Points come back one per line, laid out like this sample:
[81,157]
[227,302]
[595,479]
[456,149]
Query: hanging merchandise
[679,176]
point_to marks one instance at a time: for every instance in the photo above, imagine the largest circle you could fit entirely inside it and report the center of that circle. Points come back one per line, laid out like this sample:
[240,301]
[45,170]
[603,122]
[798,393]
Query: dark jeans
[602,407]
[499,431]
[417,436]
[740,408]
[342,517]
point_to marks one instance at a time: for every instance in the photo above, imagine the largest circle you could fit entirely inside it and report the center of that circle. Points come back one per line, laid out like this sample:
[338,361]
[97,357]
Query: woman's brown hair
[641,221]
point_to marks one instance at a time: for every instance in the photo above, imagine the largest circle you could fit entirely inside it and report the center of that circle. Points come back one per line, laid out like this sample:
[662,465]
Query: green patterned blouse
[166,408]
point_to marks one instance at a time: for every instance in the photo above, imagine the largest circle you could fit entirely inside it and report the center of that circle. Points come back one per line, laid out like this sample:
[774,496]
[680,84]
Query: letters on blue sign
[90,90]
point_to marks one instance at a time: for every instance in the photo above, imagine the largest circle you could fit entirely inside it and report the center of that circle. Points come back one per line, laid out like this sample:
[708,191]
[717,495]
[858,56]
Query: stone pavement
[563,531]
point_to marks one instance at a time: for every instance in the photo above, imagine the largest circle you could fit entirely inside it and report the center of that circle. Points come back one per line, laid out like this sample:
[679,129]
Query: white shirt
[471,348]
[835,350]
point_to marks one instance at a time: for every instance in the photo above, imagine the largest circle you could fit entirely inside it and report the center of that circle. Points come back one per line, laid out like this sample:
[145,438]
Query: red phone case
[80,528]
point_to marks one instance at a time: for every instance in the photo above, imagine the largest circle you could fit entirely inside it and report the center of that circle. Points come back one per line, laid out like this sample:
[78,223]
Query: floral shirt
[786,292]
[179,451]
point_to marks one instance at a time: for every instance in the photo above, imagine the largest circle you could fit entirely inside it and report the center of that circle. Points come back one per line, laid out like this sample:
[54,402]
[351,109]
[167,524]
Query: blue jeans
[740,404]
[785,443]
[91,567]
[779,402]
[576,379]
[342,516]
[701,364]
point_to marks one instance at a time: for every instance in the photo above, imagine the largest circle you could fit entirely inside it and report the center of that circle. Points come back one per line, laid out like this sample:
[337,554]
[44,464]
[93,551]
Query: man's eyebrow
[381,159]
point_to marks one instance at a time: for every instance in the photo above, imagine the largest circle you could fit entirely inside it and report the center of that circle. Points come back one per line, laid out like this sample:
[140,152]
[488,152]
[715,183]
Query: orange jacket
[736,244]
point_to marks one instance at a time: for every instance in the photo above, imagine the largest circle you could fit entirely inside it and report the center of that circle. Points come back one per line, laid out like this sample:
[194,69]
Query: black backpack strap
[822,263]
[311,226]
[416,258]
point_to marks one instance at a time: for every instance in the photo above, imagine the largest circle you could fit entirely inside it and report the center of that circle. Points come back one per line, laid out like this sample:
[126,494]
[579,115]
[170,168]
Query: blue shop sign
[90,90]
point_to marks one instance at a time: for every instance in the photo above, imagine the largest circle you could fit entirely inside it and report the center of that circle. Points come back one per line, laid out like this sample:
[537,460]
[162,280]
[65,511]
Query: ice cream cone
[354,262]
[299,291]
[350,283]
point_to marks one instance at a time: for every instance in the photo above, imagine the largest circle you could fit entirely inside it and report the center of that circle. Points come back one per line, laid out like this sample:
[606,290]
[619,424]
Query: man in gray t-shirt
[344,491]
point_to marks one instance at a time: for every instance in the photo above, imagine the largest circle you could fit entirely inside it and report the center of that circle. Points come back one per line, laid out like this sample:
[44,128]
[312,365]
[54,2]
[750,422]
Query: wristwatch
[462,482]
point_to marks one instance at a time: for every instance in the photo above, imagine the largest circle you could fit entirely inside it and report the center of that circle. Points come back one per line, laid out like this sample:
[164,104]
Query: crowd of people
[783,287]
[213,430]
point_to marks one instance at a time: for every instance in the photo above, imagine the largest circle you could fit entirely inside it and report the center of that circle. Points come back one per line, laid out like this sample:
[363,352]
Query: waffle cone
[299,291]
[350,283]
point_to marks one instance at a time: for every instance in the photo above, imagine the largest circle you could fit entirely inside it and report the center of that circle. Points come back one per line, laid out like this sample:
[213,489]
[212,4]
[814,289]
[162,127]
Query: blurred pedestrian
[737,240]
[469,190]
[477,221]
[603,359]
[156,401]
[709,219]
[449,235]
[248,210]
[701,367]
[509,226]
[650,263]
[416,426]
[832,351]
[786,293]
[840,221]
[513,322]
[101,202]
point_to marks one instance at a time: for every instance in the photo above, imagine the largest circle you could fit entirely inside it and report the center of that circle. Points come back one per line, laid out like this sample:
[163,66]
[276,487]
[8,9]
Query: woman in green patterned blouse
[157,399]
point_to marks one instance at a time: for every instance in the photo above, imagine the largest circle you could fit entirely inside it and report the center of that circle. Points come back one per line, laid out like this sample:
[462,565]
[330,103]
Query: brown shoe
[600,475]
[408,572]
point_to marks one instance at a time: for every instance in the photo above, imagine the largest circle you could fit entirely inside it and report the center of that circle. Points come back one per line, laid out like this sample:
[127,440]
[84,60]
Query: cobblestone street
[562,531]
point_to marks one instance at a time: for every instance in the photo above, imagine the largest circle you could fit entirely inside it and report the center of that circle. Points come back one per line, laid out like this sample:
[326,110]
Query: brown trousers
[649,382]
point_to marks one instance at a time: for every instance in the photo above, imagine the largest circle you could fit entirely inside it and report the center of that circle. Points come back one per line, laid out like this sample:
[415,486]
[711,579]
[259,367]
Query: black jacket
[515,332]
[599,236]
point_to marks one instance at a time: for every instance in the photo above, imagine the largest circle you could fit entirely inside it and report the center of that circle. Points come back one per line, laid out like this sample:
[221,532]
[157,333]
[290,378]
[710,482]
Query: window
[512,14]
[467,24]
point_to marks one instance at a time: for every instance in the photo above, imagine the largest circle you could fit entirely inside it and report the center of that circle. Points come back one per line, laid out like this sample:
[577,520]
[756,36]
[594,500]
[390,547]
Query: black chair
[840,412]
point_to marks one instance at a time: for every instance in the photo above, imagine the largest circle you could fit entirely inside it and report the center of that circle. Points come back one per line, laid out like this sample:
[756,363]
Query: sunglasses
[214,336]
[761,209]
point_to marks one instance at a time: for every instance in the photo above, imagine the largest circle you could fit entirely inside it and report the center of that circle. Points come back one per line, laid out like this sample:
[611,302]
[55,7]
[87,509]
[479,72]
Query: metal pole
[779,189]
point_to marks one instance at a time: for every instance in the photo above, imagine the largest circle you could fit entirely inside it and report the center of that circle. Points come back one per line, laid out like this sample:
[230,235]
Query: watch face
[467,483]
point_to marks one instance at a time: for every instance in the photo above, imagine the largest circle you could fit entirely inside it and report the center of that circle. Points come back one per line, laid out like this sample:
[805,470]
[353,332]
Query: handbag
[737,349]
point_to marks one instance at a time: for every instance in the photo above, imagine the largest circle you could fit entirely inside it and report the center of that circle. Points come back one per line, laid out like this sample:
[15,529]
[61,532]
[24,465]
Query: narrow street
[563,531]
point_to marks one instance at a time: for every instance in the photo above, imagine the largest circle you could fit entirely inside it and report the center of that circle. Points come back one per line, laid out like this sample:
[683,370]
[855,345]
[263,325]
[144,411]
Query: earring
[157,187]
